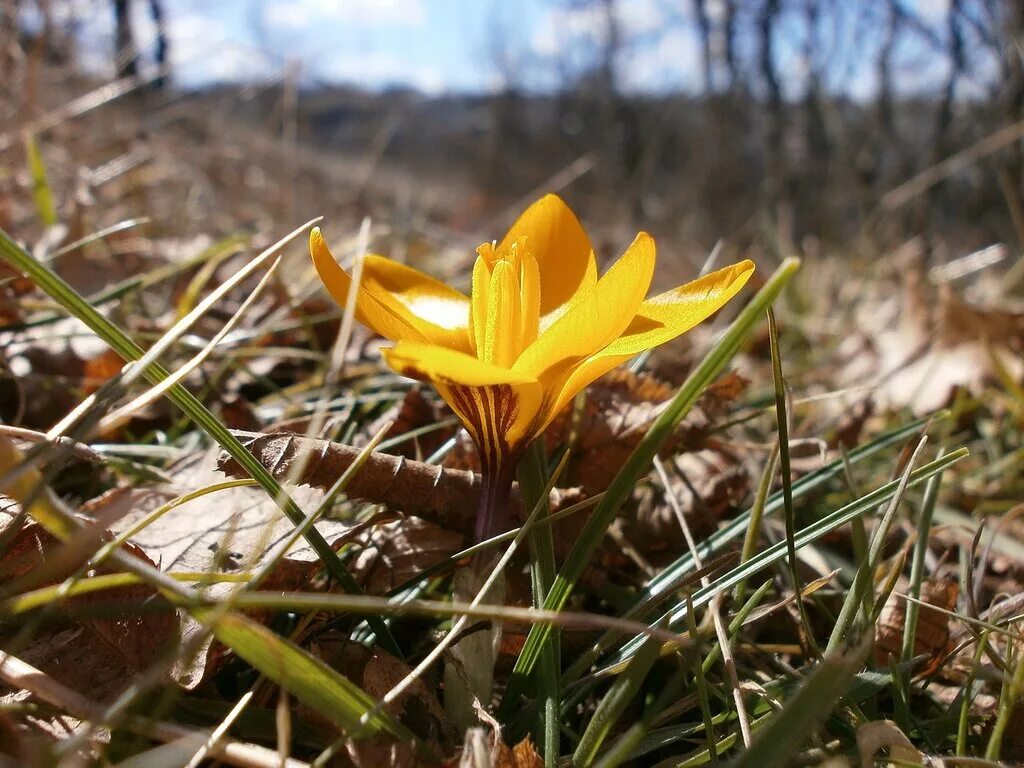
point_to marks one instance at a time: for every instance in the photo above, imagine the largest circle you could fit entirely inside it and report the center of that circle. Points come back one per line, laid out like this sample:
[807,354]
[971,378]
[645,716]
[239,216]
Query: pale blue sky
[457,45]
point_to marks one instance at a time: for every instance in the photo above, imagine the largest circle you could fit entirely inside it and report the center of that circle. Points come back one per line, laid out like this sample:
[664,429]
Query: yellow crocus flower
[538,327]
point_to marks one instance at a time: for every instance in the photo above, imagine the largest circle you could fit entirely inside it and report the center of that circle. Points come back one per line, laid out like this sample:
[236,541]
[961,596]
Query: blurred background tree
[780,124]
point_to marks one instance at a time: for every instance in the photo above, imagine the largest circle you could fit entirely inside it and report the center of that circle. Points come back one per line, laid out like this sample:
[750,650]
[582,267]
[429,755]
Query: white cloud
[933,11]
[560,27]
[659,47]
[672,61]
[203,49]
[300,14]
[377,70]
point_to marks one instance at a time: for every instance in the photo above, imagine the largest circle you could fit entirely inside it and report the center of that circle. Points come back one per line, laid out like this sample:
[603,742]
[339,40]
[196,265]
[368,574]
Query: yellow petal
[529,301]
[660,319]
[498,407]
[564,255]
[595,317]
[674,312]
[396,301]
[427,362]
[501,418]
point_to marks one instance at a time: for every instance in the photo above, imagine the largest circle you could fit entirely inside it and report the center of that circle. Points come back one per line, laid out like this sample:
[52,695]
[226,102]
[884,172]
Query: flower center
[505,315]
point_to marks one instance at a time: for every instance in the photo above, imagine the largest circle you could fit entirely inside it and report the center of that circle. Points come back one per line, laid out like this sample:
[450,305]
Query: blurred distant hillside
[774,146]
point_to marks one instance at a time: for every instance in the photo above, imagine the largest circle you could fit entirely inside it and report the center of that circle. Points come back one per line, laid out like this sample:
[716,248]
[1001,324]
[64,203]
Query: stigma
[505,302]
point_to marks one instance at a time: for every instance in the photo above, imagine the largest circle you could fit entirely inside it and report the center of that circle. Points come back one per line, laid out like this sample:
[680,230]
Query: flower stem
[493,514]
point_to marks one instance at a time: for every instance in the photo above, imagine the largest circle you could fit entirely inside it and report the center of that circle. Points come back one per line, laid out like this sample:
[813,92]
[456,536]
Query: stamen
[478,303]
[501,345]
[505,302]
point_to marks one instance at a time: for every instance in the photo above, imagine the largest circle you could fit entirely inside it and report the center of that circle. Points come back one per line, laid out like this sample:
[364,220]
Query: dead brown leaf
[618,410]
[522,755]
[98,642]
[932,636]
[377,672]
[705,485]
[397,551]
[921,349]
[447,496]
[412,413]
[225,531]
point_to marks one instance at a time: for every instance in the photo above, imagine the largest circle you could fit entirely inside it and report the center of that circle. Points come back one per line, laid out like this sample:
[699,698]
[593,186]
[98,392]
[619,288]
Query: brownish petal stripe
[489,413]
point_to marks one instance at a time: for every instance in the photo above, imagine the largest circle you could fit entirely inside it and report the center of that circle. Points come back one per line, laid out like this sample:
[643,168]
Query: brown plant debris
[617,412]
[916,352]
[932,637]
[89,646]
[448,497]
[399,550]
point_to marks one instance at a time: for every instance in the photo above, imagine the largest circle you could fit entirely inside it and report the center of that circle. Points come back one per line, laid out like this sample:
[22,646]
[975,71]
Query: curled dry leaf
[885,734]
[522,755]
[932,637]
[479,749]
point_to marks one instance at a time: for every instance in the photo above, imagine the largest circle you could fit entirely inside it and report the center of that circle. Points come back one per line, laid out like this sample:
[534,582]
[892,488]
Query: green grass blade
[804,713]
[917,567]
[623,691]
[665,583]
[804,537]
[124,346]
[753,535]
[533,481]
[638,463]
[782,421]
[305,677]
[42,194]
[865,578]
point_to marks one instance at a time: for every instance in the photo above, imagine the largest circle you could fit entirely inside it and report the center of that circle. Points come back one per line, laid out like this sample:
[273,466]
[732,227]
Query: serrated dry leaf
[441,495]
[449,497]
